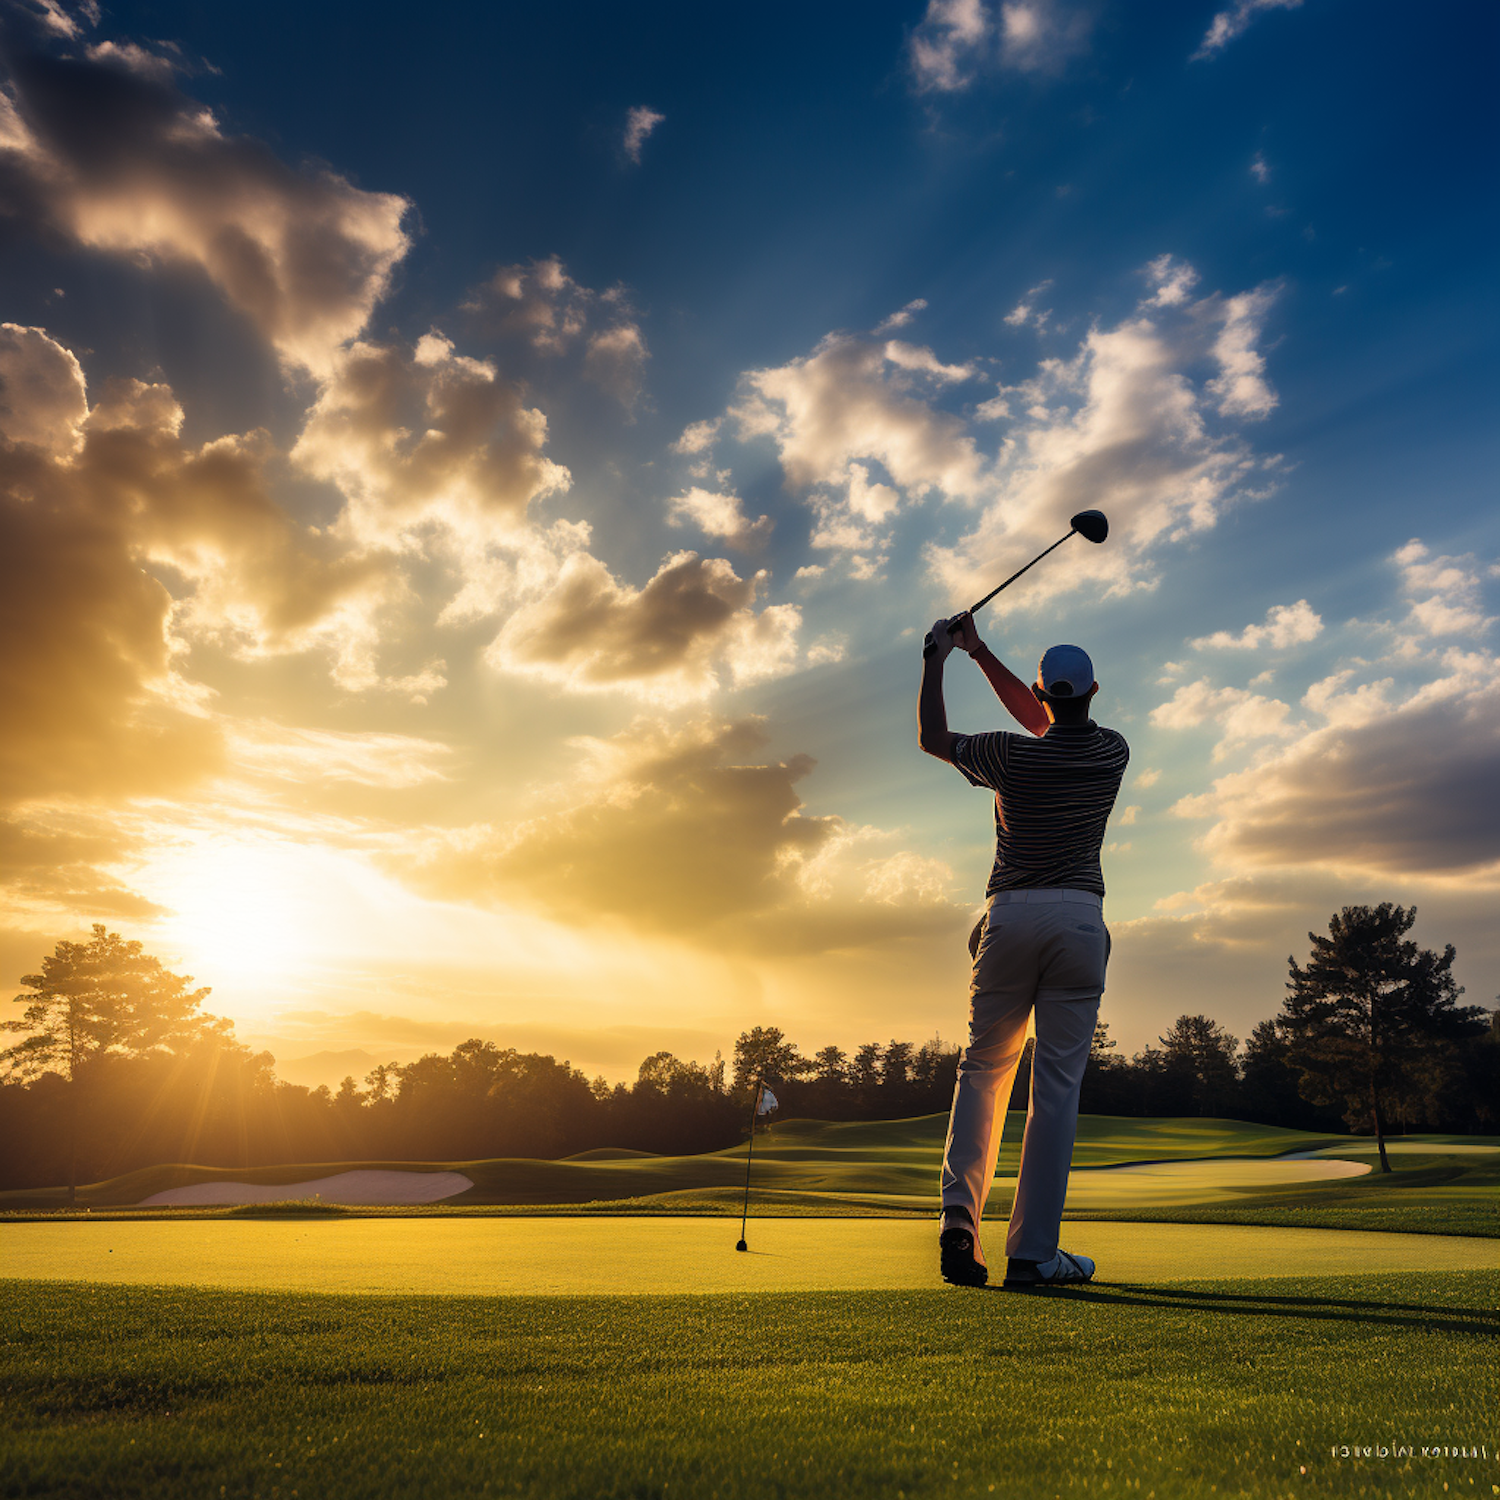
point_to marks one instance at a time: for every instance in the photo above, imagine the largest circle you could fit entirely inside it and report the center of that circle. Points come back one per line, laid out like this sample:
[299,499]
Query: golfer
[1040,949]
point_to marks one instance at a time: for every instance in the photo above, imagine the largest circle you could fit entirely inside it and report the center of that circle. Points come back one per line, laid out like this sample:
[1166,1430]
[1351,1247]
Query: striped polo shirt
[1053,796]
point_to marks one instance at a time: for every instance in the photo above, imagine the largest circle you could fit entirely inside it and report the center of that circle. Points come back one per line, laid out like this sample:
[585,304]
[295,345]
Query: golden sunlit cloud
[140,169]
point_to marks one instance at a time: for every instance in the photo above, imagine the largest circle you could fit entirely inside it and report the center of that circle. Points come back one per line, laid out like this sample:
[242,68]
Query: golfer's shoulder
[1111,744]
[987,744]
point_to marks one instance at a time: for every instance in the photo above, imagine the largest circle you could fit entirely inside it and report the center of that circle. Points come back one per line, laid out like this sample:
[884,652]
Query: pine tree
[1365,1010]
[101,999]
[1204,1053]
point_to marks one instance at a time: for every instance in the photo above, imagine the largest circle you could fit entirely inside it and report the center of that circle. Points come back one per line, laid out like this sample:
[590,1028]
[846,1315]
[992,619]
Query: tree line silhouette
[118,1068]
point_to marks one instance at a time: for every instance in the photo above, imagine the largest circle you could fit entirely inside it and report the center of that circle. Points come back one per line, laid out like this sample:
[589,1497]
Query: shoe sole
[1041,1286]
[965,1276]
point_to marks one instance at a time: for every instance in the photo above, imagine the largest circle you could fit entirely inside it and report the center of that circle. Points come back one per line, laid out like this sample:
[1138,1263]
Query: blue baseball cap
[1065,672]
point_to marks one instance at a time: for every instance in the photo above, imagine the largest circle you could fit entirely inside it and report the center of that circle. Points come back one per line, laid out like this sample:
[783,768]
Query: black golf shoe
[956,1258]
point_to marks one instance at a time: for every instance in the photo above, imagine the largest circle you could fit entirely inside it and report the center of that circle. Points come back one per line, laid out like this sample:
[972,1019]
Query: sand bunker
[354,1188]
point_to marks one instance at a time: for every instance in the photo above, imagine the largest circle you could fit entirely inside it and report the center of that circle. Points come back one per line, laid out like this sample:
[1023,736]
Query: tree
[1367,1007]
[100,999]
[1203,1052]
[864,1075]
[764,1052]
[830,1065]
[1101,1044]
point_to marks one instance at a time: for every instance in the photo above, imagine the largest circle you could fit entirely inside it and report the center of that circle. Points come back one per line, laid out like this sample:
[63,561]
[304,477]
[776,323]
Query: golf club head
[1091,524]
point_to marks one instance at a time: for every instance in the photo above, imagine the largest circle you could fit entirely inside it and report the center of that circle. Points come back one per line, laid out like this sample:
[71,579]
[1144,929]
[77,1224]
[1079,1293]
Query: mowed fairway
[517,1256]
[1231,1389]
[587,1355]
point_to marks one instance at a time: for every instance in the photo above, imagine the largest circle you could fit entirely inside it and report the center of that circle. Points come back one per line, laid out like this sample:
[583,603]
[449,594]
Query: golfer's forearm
[1012,692]
[932,713]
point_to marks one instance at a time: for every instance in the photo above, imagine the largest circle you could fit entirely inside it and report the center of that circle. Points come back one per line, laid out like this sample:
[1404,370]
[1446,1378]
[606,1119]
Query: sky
[471,496]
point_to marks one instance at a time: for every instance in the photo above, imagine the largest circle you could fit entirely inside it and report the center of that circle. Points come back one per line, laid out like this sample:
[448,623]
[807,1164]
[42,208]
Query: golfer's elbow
[935,742]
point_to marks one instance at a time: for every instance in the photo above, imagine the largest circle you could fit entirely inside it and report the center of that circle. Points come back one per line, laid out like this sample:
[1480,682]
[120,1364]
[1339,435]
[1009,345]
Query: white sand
[369,1187]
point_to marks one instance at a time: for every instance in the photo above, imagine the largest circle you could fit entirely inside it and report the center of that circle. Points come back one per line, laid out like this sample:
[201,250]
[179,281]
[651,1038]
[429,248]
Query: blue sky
[868,301]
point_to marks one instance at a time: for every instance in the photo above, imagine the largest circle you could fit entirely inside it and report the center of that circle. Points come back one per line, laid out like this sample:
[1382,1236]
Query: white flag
[767,1102]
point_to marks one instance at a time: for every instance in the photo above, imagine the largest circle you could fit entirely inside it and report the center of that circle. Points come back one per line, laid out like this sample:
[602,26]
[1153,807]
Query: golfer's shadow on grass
[1324,1309]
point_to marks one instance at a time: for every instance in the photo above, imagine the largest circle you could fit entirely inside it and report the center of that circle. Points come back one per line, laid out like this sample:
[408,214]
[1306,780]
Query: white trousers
[1041,951]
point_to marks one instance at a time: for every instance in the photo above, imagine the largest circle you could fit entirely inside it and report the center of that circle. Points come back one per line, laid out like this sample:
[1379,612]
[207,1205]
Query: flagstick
[749,1157]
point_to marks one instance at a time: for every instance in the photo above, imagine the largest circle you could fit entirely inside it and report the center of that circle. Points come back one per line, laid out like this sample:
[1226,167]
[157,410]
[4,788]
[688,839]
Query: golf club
[1089,524]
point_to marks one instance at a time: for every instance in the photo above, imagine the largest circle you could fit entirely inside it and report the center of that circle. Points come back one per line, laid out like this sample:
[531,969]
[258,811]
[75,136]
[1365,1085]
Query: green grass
[581,1256]
[1442,1184]
[1235,1389]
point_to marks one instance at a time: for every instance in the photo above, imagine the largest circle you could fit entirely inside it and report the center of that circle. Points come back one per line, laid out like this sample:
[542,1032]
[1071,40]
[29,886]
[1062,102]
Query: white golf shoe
[1064,1269]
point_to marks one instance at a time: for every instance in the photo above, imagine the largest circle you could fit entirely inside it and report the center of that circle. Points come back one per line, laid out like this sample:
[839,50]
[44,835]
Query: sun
[245,912]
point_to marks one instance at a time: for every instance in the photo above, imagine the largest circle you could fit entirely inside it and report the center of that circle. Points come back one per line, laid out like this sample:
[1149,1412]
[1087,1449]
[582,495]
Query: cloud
[864,430]
[1234,22]
[298,756]
[697,437]
[1260,169]
[682,831]
[113,157]
[52,17]
[1172,281]
[1240,715]
[1285,625]
[956,40]
[640,121]
[669,828]
[541,305]
[1040,36]
[1241,385]
[1444,592]
[42,393]
[616,360]
[136,59]
[1394,789]
[423,435]
[948,44]
[1023,312]
[55,865]
[903,316]
[848,407]
[691,629]
[720,515]
[122,546]
[1122,427]
[85,657]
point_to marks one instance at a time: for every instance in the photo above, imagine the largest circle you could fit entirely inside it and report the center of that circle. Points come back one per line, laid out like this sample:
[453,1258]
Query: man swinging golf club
[1041,947]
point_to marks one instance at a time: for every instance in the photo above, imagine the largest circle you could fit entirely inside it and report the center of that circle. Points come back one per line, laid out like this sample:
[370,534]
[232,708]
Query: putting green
[489,1257]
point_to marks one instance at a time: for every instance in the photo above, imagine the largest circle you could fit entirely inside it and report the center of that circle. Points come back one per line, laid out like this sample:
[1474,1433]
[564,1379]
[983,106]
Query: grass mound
[286,1208]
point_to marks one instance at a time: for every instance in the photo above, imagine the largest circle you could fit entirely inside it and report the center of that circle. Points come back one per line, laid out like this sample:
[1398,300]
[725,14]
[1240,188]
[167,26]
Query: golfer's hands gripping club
[959,631]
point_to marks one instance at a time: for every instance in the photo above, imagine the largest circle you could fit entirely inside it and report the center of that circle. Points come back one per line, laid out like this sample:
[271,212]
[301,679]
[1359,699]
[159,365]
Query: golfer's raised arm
[933,734]
[1018,699]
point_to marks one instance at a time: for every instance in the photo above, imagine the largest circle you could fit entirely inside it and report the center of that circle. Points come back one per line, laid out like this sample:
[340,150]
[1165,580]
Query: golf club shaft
[929,644]
[1034,561]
